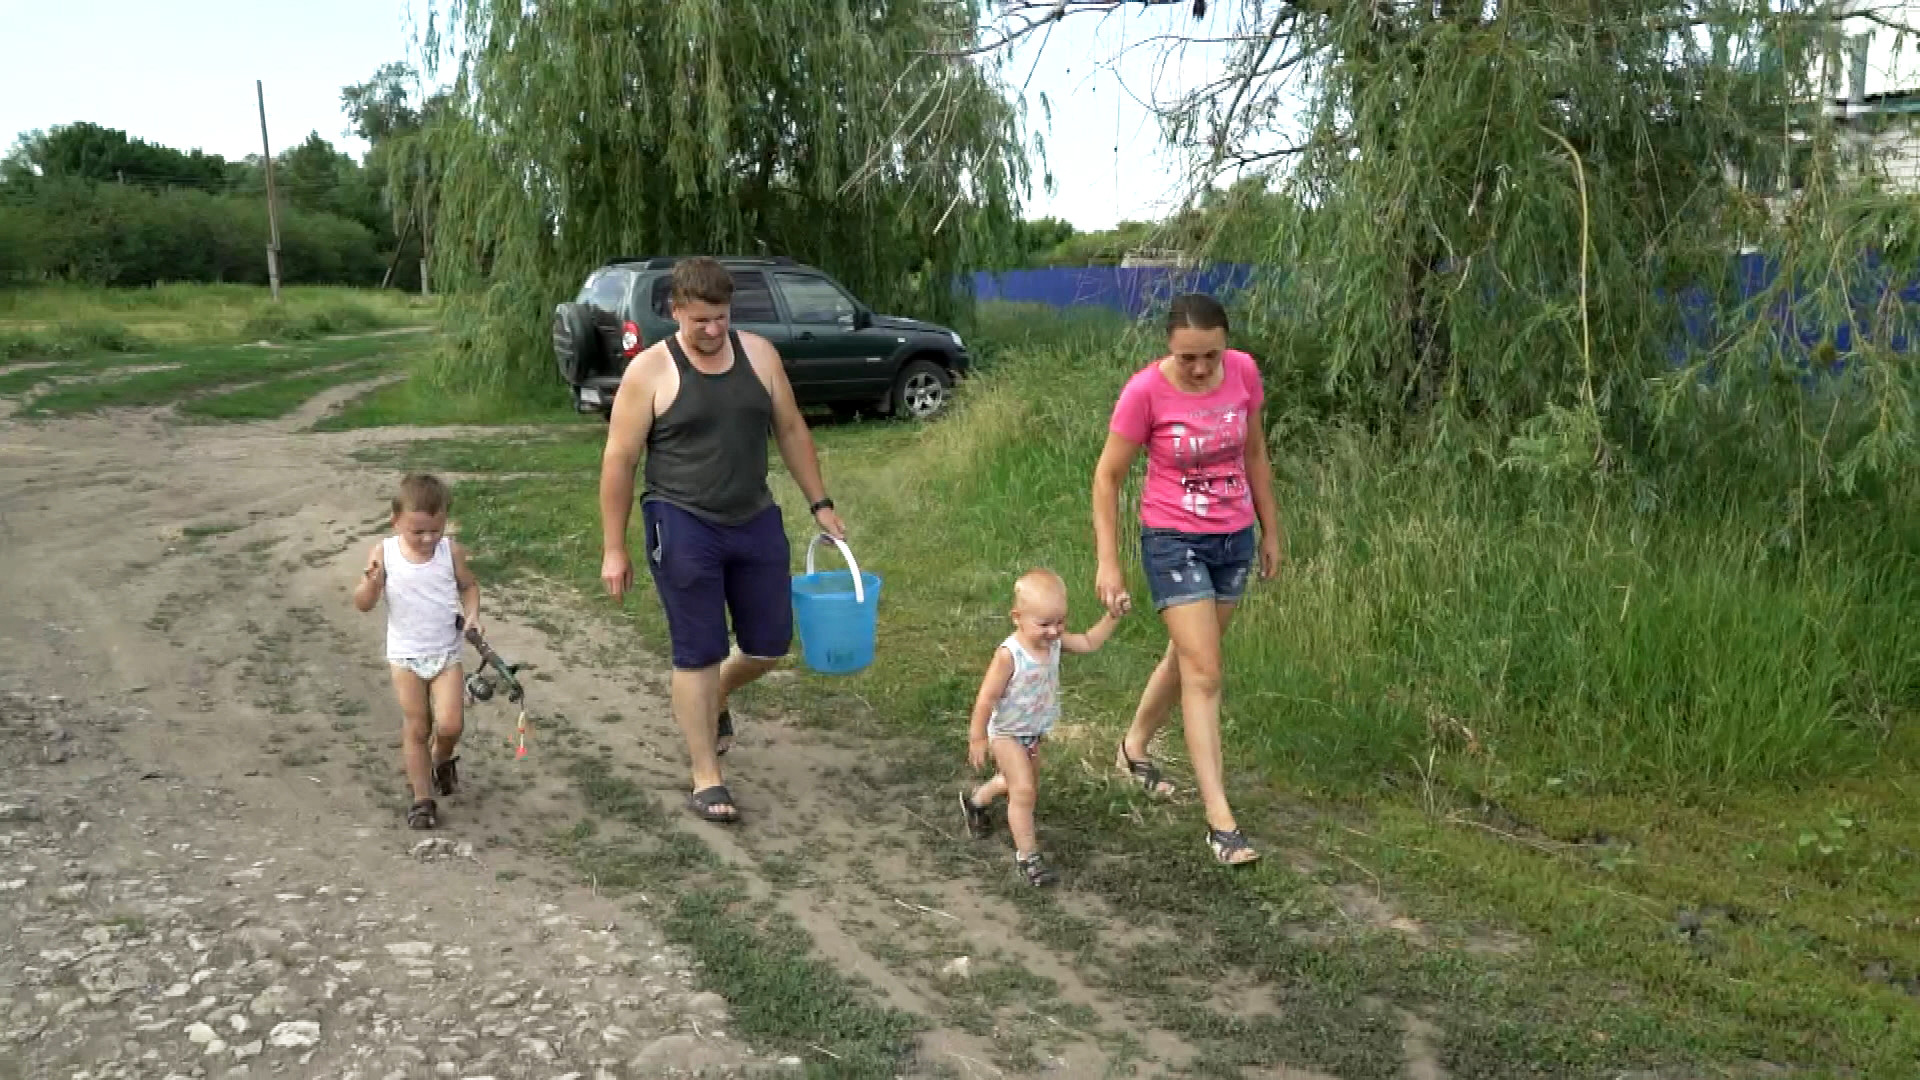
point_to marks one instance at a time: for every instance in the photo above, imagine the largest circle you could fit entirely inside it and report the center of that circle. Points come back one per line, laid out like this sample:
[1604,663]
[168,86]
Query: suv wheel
[576,342]
[922,390]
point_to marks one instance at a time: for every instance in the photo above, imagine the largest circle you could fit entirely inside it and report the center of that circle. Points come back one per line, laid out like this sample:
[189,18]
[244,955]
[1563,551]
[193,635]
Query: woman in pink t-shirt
[1197,413]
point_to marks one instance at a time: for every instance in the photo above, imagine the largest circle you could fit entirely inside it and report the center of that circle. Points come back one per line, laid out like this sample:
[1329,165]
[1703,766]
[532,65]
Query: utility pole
[273,214]
[398,247]
[426,232]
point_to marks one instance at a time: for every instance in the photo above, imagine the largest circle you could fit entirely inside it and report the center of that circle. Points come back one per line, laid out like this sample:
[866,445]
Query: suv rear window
[752,299]
[605,290]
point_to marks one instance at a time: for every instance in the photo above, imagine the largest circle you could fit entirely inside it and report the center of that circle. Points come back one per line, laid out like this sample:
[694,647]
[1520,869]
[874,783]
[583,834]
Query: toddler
[1018,703]
[431,595]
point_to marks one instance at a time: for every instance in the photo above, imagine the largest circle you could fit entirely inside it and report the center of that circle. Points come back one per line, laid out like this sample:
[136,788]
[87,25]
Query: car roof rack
[662,262]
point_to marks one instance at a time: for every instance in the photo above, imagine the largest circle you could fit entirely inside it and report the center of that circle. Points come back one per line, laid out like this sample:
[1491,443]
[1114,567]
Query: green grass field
[1674,756]
[220,352]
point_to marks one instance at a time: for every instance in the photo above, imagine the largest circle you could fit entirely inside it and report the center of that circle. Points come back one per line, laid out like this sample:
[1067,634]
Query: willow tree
[1491,208]
[832,131]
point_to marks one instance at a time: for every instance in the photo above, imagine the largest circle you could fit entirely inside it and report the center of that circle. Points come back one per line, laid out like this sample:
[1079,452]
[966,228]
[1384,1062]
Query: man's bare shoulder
[760,351]
[653,361]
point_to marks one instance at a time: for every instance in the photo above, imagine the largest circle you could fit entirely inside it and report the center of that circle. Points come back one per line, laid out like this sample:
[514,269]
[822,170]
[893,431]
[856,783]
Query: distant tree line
[86,203]
[1225,224]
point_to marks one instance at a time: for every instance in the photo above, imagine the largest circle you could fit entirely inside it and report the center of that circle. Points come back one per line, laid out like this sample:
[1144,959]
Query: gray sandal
[1227,844]
[702,804]
[1145,773]
[446,776]
[1039,874]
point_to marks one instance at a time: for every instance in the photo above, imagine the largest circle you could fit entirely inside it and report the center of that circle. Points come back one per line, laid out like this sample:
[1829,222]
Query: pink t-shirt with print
[1196,446]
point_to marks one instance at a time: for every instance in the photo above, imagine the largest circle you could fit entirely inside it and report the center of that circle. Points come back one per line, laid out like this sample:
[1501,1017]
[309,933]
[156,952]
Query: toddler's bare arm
[992,686]
[1096,636]
[469,587]
[372,581]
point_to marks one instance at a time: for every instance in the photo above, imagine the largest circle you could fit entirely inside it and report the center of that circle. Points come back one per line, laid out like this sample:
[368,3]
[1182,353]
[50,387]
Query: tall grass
[66,339]
[1548,635]
[1003,329]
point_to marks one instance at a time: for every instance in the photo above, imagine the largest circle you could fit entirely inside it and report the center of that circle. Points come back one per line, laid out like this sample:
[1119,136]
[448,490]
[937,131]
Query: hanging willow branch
[818,129]
[1435,245]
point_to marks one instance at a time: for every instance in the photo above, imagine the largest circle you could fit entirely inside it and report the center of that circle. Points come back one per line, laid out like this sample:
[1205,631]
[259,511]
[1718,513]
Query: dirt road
[204,871]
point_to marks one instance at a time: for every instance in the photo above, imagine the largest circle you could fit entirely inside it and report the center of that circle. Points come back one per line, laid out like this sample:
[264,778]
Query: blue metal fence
[1136,291]
[1133,290]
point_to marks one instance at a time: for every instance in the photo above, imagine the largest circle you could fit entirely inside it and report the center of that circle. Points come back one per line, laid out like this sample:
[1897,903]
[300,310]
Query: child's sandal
[979,825]
[446,777]
[423,814]
[1038,872]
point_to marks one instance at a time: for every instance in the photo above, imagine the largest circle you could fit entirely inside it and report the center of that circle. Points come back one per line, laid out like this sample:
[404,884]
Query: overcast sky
[181,73]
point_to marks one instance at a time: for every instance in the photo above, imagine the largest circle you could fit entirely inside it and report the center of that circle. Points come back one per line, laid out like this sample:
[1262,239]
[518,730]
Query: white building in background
[1873,93]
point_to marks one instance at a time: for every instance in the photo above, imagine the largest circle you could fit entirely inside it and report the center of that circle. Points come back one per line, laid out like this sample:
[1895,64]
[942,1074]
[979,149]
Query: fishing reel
[480,686]
[493,672]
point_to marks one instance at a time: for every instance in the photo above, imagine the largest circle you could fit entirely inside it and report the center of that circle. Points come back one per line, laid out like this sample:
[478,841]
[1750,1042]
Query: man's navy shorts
[706,572]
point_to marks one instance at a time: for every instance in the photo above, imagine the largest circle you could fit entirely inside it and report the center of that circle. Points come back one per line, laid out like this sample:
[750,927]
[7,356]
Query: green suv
[838,353]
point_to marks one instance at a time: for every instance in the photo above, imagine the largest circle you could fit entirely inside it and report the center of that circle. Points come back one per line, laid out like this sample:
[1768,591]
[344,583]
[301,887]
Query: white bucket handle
[859,589]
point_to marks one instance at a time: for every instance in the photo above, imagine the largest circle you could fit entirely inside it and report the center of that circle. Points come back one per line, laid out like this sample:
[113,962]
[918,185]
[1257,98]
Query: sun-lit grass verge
[416,402]
[67,339]
[164,315]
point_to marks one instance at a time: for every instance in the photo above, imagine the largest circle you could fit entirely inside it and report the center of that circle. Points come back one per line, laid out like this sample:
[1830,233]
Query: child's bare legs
[1018,778]
[449,716]
[416,729]
[431,723]
[984,795]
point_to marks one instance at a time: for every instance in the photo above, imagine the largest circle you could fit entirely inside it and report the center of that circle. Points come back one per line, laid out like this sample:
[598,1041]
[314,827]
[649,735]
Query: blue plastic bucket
[836,613]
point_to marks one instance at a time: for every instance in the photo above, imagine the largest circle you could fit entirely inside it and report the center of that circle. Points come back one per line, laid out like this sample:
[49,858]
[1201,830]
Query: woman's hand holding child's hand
[1110,586]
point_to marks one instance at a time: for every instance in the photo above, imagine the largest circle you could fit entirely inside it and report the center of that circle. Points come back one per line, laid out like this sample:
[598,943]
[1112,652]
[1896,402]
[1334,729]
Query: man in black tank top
[702,405]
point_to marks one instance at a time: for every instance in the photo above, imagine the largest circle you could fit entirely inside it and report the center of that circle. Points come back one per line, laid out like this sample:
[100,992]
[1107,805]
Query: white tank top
[1031,702]
[423,599]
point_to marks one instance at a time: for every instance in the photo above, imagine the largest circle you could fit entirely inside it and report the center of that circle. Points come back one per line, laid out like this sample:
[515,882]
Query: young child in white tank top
[1019,701]
[431,595]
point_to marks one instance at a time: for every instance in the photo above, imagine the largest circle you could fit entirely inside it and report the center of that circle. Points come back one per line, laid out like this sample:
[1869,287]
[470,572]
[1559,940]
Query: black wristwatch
[823,504]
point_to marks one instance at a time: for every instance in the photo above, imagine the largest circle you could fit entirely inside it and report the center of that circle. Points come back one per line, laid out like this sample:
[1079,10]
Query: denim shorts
[1184,567]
